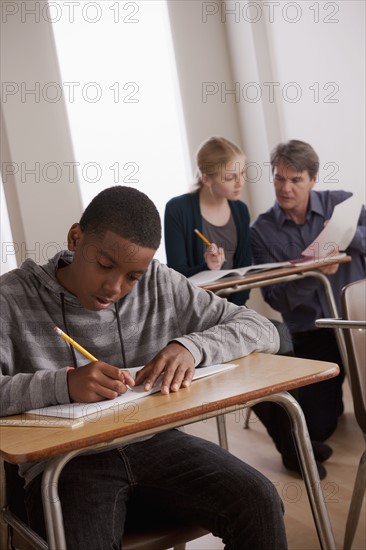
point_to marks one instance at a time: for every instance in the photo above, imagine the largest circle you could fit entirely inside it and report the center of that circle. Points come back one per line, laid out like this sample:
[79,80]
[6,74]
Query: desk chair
[353,323]
[13,519]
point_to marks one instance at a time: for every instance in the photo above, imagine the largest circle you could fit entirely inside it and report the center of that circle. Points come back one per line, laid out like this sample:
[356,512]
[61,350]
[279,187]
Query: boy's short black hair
[298,155]
[125,211]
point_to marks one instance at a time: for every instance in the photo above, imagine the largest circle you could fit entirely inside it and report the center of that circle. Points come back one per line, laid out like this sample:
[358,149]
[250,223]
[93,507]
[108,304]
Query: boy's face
[104,269]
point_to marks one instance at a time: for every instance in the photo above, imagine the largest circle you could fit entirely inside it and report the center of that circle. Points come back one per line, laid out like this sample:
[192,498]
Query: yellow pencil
[206,241]
[80,348]
[75,344]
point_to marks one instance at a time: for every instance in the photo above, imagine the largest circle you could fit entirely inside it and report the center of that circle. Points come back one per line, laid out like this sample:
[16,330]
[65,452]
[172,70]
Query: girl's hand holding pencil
[214,255]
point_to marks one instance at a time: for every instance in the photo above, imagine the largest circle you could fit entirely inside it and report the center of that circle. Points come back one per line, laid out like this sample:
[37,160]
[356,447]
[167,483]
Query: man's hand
[177,365]
[214,257]
[330,269]
[97,381]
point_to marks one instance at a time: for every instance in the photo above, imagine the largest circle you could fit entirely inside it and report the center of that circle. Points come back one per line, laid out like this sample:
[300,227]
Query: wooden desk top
[257,375]
[270,274]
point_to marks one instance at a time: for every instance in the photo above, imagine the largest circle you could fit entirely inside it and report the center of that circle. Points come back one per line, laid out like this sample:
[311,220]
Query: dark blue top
[184,249]
[275,238]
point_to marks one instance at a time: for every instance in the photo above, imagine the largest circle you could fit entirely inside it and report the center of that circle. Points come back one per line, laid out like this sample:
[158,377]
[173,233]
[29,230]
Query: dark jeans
[321,403]
[171,475]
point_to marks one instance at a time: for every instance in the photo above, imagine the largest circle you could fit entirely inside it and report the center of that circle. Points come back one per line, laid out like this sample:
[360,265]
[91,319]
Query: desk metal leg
[51,502]
[308,467]
[221,429]
[333,312]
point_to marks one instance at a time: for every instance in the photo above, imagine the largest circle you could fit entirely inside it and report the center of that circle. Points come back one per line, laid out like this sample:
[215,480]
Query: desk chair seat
[163,538]
[353,323]
[160,537]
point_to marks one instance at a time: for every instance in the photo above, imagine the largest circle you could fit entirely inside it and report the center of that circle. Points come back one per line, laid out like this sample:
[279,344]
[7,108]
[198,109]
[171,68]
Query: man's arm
[358,242]
[285,297]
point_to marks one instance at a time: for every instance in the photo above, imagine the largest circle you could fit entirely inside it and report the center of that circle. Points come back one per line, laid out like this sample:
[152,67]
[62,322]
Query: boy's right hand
[97,381]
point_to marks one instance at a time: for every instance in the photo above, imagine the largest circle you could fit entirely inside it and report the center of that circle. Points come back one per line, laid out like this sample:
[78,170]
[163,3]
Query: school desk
[228,285]
[258,377]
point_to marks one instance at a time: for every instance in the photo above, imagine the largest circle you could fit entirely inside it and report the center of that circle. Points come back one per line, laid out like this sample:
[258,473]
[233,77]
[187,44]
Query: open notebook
[91,411]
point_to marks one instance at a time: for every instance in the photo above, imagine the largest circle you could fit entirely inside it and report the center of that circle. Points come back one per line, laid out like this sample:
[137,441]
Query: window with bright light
[120,87]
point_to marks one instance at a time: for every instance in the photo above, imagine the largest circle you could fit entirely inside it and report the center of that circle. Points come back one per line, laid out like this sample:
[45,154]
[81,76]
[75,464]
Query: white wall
[324,54]
[35,137]
[202,59]
[8,252]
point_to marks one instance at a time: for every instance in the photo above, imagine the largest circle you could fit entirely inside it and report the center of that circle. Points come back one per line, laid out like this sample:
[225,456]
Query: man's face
[104,269]
[292,189]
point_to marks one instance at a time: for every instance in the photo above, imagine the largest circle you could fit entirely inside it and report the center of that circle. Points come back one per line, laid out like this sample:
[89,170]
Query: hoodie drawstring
[120,336]
[118,326]
[62,295]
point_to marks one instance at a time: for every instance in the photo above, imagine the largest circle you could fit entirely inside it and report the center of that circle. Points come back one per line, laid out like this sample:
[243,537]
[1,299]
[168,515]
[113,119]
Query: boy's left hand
[177,365]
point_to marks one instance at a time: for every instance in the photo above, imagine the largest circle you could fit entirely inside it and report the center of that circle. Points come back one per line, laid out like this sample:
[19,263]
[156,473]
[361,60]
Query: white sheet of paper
[339,230]
[91,411]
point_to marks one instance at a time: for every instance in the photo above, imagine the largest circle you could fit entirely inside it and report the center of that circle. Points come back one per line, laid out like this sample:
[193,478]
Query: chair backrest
[354,308]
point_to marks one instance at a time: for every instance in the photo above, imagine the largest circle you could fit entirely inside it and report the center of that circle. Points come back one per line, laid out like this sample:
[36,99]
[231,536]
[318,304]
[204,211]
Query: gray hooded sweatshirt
[163,306]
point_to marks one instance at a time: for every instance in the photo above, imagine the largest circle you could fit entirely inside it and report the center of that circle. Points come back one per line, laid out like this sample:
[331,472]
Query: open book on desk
[211,276]
[93,410]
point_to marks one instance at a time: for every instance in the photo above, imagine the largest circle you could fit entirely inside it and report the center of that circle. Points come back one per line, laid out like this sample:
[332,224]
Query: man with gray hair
[282,233]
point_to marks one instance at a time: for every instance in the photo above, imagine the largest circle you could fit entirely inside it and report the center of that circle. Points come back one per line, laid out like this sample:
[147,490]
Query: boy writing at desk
[109,295]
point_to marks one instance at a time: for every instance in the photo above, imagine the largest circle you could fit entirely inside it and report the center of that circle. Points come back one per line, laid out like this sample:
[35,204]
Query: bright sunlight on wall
[120,87]
[8,258]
